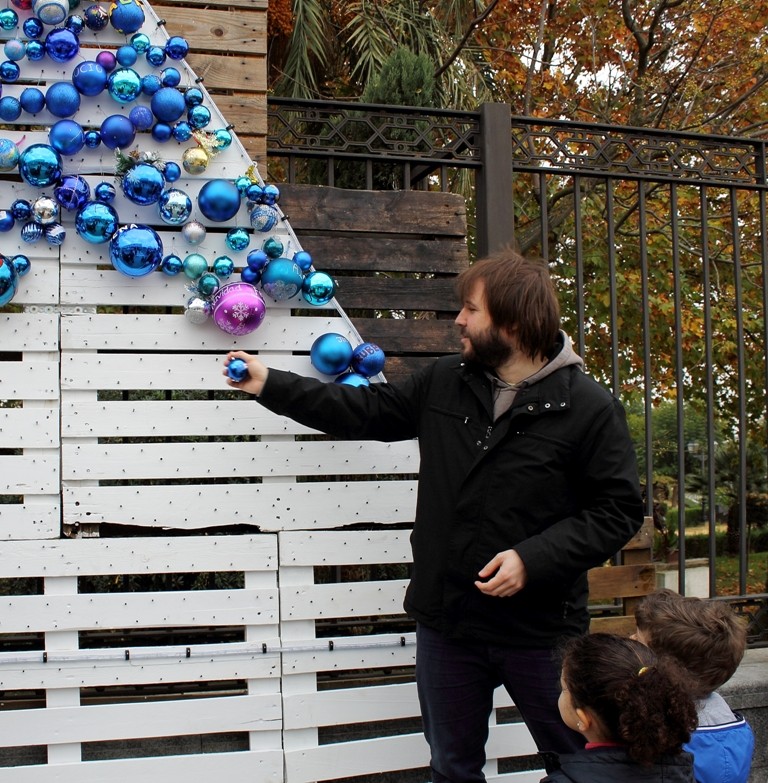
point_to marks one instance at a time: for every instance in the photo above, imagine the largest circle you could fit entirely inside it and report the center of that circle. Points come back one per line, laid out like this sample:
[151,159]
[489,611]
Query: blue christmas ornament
[193,97]
[318,288]
[124,85]
[367,359]
[135,250]
[330,353]
[150,84]
[35,51]
[242,183]
[105,192]
[161,131]
[61,45]
[198,117]
[92,139]
[237,239]
[62,99]
[273,247]
[140,42]
[55,234]
[143,184]
[176,47]
[126,16]
[223,267]
[75,23]
[21,209]
[172,171]
[281,279]
[182,131]
[32,100]
[171,265]
[96,18]
[223,138]
[155,56]
[352,379]
[237,370]
[89,78]
[174,207]
[10,108]
[257,260]
[9,19]
[72,192]
[117,131]
[9,72]
[21,264]
[33,28]
[67,137]
[141,118]
[40,165]
[194,266]
[167,104]
[303,259]
[263,217]
[254,192]
[219,200]
[96,222]
[31,232]
[126,55]
[9,280]
[7,220]
[208,284]
[9,155]
[170,77]
[271,195]
[15,49]
[248,275]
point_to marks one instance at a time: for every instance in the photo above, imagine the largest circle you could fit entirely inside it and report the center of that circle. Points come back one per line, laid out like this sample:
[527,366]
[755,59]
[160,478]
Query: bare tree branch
[473,25]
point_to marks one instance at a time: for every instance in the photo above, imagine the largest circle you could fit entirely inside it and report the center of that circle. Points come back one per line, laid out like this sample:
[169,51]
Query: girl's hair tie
[642,670]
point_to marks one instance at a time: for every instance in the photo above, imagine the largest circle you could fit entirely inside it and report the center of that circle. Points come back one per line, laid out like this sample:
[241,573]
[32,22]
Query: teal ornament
[330,353]
[31,232]
[9,280]
[264,218]
[21,264]
[67,137]
[9,19]
[167,104]
[117,131]
[40,165]
[61,45]
[237,239]
[126,16]
[96,222]
[176,47]
[195,265]
[15,49]
[72,192]
[124,85]
[273,247]
[318,288]
[7,220]
[62,99]
[219,200]
[303,259]
[352,379]
[197,310]
[223,138]
[174,207]
[242,183]
[143,184]
[9,155]
[32,100]
[281,279]
[50,12]
[194,232]
[140,42]
[257,260]
[105,192]
[135,250]
[223,267]
[198,116]
[35,51]
[208,284]
[367,359]
[55,234]
[171,265]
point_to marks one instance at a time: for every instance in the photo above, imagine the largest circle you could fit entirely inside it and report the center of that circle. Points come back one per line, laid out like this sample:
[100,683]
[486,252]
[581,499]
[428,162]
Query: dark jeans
[456,680]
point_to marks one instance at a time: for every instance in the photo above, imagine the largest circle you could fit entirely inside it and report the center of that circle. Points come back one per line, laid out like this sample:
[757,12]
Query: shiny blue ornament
[318,288]
[352,379]
[330,353]
[7,220]
[174,207]
[172,171]
[140,42]
[167,104]
[281,279]
[271,195]
[171,265]
[141,118]
[62,99]
[254,192]
[67,137]
[32,100]
[105,192]
[143,184]
[9,72]
[21,209]
[35,51]
[117,131]
[223,267]
[150,84]
[199,117]
[126,55]
[367,359]
[176,47]
[55,234]
[21,264]
[155,56]
[126,16]
[15,49]
[33,28]
[248,275]
[75,23]
[257,260]
[96,222]
[170,77]
[219,200]
[9,155]
[237,370]
[72,192]
[9,280]
[89,78]
[264,218]
[223,138]
[303,259]
[40,165]
[273,247]
[61,45]
[195,265]
[9,19]
[31,232]
[92,139]
[193,97]
[10,108]
[182,131]
[161,131]
[124,85]
[208,284]
[96,18]
[242,183]
[135,250]
[237,239]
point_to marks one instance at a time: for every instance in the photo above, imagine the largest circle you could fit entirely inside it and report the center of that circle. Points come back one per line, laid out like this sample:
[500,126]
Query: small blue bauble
[89,78]
[21,209]
[264,218]
[126,55]
[72,191]
[167,104]
[75,23]
[367,359]
[303,259]
[21,264]
[176,47]
[10,108]
[161,131]
[174,206]
[182,131]
[271,195]
[9,155]
[135,250]
[124,85]
[170,77]
[67,137]
[96,18]
[9,19]
[318,288]
[237,370]
[15,49]
[199,117]
[193,97]
[40,165]
[9,72]
[257,260]
[223,267]
[254,192]
[92,139]
[96,222]
[32,100]
[155,56]
[126,16]
[31,232]
[7,220]
[248,275]
[171,265]
[172,171]
[9,280]
[219,200]
[223,138]
[61,45]
[273,247]
[352,379]
[140,42]
[281,279]
[62,99]
[117,131]
[35,51]
[143,184]
[105,192]
[237,239]
[150,84]
[242,183]
[55,234]
[330,354]
[33,28]
[141,118]
[208,284]
[195,265]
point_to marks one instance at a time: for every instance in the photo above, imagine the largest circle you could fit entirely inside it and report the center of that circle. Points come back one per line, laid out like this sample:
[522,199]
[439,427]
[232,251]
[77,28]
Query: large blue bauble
[175,207]
[126,16]
[32,100]
[331,353]
[143,184]
[167,104]
[62,99]
[367,359]
[61,45]
[96,222]
[67,137]
[117,131]
[124,85]
[281,279]
[318,288]
[219,200]
[72,192]
[136,250]
[9,280]
[89,78]
[40,165]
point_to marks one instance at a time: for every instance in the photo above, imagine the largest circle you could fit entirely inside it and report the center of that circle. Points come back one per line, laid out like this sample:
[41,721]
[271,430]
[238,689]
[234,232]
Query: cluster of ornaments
[332,354]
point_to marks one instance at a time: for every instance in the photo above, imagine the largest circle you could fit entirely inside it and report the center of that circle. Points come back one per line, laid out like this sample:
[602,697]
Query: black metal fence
[658,242]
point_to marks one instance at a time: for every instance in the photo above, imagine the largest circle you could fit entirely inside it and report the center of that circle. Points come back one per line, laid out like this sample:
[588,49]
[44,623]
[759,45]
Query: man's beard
[487,348]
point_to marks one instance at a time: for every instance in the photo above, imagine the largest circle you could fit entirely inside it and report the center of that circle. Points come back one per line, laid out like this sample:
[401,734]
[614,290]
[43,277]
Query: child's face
[565,705]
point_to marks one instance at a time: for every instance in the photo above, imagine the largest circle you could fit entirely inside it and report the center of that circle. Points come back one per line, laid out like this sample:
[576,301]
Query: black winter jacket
[555,478]
[612,765]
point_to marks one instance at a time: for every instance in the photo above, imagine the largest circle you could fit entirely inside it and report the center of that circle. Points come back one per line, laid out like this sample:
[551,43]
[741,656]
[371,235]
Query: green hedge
[698,545]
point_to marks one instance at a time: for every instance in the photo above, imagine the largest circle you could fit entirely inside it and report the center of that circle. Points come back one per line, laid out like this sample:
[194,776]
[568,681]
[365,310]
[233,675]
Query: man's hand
[507,575]
[257,372]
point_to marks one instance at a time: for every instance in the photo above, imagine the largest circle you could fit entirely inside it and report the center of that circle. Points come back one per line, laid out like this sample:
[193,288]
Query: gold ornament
[195,160]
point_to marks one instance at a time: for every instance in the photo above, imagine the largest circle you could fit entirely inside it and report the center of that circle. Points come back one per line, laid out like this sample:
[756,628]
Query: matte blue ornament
[182,131]
[21,209]
[318,288]
[126,16]
[10,108]
[135,250]
[150,84]
[32,100]
[281,279]
[264,218]
[248,275]
[367,359]
[273,247]
[35,51]
[105,192]
[33,28]
[352,379]
[141,118]
[330,353]
[271,195]
[9,280]
[117,131]
[96,222]
[170,77]
[193,97]
[223,138]
[303,259]
[67,137]
[223,267]
[219,200]
[176,47]
[89,78]
[21,264]
[208,284]
[31,232]
[124,85]
[199,117]
[61,45]
[92,139]
[107,60]
[96,17]
[62,99]
[75,23]
[55,234]
[72,192]
[174,207]
[126,55]
[7,220]
[172,171]
[9,155]
[9,19]
[167,104]
[155,56]
[257,260]
[161,131]
[237,239]
[9,72]
[143,184]
[171,265]
[140,42]
[15,49]
[195,265]
[40,165]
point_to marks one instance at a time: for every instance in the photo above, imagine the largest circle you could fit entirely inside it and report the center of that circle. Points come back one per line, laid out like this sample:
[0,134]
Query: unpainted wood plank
[623,625]
[230,71]
[409,335]
[621,581]
[397,293]
[218,30]
[237,6]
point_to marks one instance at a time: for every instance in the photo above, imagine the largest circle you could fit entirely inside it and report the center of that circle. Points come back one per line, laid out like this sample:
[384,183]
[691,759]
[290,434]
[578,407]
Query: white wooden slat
[270,506]
[26,613]
[40,285]
[30,428]
[352,599]
[262,766]
[225,459]
[30,475]
[29,333]
[38,520]
[94,723]
[350,547]
[18,381]
[94,556]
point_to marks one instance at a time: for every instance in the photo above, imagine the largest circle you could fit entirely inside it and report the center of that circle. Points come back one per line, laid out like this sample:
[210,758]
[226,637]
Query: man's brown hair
[704,636]
[520,298]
